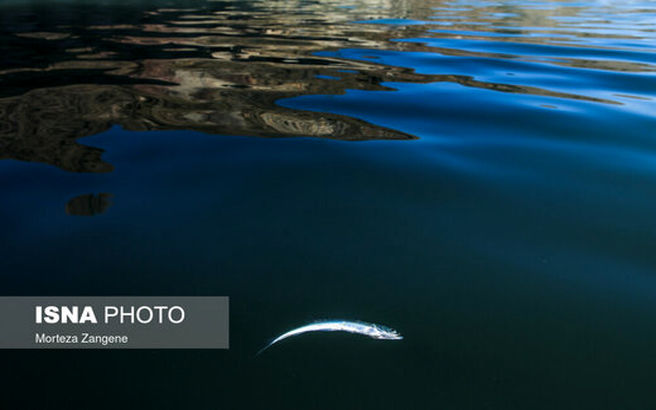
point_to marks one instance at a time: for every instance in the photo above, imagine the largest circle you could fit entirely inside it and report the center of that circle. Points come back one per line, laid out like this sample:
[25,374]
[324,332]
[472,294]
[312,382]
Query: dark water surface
[480,176]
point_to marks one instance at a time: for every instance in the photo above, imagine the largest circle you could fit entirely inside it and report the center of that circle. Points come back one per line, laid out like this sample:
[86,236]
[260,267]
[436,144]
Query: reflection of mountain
[79,70]
[223,79]
[43,125]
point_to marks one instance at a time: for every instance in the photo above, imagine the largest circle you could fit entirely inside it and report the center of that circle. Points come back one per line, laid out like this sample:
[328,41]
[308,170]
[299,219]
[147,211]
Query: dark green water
[480,176]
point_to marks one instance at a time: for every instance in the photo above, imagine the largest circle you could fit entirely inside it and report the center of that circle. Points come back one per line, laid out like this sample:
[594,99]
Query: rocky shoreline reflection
[217,67]
[176,71]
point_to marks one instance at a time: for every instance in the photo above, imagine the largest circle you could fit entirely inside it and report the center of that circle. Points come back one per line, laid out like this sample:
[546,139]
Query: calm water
[479,175]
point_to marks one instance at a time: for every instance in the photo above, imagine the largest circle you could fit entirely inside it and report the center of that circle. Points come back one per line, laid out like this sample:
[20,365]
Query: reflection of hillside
[43,124]
[220,70]
[163,75]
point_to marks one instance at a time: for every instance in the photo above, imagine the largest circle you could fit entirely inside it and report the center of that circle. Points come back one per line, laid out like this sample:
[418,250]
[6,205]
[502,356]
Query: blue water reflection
[479,175]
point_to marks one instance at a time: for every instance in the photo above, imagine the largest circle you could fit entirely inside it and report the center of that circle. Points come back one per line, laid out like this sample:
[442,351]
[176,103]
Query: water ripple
[178,68]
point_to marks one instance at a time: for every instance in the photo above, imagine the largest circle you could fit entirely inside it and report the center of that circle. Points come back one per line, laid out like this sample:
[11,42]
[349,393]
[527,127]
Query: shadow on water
[89,204]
